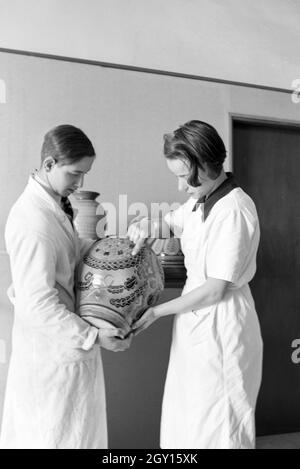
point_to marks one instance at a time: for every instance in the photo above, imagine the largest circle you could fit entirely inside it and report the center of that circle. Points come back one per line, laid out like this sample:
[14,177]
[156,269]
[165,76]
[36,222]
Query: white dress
[215,364]
[55,396]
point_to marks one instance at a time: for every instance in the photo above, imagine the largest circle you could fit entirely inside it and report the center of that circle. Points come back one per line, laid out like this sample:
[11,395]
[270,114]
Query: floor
[284,441]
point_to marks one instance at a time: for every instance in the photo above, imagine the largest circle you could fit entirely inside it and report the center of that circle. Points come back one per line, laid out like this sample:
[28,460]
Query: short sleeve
[229,245]
[175,218]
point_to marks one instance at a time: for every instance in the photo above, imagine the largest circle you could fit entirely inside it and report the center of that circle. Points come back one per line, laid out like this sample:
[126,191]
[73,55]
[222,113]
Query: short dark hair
[196,142]
[66,144]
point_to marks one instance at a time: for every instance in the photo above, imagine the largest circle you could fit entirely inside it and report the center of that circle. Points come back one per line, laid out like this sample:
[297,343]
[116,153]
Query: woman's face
[67,178]
[181,170]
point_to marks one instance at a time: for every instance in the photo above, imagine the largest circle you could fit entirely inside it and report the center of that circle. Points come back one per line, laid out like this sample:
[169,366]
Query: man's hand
[145,321]
[112,339]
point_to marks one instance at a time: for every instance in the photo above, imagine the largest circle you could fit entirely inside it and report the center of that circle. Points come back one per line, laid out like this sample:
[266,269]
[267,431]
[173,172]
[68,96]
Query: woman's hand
[138,232]
[113,339]
[145,321]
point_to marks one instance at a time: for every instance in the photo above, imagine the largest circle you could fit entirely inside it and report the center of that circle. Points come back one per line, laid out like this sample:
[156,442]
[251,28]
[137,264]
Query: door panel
[267,165]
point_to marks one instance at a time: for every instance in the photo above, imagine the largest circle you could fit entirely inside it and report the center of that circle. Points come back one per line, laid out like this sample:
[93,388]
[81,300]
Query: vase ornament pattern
[115,288]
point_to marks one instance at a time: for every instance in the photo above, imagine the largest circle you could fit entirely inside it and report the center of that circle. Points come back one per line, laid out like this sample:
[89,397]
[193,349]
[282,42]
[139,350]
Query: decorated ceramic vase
[115,288]
[86,216]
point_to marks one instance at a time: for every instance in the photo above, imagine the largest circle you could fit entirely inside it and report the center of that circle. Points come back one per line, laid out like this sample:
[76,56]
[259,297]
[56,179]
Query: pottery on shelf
[113,287]
[86,218]
[171,258]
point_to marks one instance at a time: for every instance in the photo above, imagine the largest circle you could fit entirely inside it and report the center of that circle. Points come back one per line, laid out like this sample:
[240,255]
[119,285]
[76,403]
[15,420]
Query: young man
[55,395]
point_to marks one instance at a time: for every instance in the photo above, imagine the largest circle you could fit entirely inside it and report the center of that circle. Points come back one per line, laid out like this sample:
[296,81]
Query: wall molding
[142,70]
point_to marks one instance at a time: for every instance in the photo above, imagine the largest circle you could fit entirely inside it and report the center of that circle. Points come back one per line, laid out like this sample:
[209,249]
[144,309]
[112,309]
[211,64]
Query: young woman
[55,395]
[214,371]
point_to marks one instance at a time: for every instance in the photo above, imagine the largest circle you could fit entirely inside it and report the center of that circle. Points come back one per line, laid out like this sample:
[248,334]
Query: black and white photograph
[149,227]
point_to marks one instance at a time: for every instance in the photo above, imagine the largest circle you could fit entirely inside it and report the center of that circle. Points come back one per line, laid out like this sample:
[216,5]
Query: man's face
[67,178]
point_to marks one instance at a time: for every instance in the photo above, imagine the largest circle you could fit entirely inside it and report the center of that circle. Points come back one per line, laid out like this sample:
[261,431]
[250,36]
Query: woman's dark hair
[66,144]
[196,143]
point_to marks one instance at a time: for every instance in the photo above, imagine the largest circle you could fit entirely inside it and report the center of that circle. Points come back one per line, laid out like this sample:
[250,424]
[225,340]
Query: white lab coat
[214,371]
[55,396]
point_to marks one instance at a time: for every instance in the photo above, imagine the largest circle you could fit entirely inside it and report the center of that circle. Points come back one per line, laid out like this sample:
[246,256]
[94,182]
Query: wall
[211,38]
[125,114]
[6,319]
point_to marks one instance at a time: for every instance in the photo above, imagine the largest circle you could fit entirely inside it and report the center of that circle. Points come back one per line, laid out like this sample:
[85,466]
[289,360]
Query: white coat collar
[48,201]
[227,186]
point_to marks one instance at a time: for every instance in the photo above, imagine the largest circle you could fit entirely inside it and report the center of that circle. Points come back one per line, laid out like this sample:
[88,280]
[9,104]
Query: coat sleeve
[84,246]
[33,268]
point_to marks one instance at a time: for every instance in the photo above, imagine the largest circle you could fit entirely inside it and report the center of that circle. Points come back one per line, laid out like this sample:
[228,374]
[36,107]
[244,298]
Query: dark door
[266,160]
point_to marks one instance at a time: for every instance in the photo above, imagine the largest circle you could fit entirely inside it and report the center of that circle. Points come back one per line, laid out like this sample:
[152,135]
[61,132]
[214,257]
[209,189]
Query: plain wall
[125,114]
[253,41]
